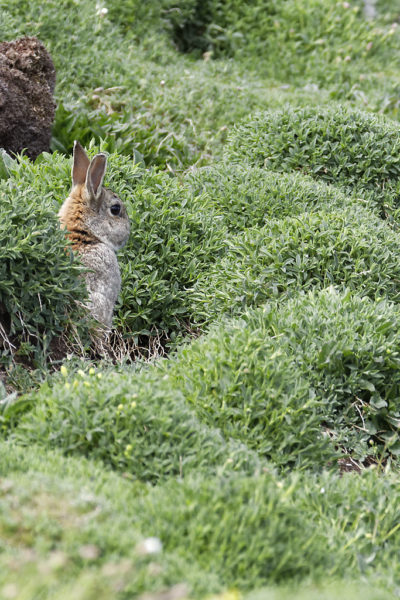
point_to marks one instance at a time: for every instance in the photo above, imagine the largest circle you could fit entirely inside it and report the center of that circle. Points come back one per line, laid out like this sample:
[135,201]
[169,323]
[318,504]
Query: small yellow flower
[99,375]
[81,373]
[133,404]
[91,371]
[120,407]
[128,450]
[64,371]
[75,383]
[86,383]
[67,385]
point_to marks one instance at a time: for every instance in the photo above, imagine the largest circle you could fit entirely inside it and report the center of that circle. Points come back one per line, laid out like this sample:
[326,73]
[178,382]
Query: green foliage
[218,533]
[174,236]
[39,282]
[270,380]
[349,148]
[251,196]
[185,259]
[349,248]
[240,379]
[227,451]
[348,349]
[132,421]
[135,423]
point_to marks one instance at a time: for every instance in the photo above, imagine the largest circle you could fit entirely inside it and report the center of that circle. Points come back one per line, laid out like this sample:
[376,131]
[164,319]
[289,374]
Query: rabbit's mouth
[113,243]
[119,245]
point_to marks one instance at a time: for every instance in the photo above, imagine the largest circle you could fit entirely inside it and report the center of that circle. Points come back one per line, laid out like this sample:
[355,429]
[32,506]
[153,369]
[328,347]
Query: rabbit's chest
[104,276]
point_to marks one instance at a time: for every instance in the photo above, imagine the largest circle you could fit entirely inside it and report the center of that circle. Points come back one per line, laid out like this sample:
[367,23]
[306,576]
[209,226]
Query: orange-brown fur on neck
[72,217]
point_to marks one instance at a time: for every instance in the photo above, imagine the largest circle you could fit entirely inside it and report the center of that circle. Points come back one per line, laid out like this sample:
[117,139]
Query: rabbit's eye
[115,209]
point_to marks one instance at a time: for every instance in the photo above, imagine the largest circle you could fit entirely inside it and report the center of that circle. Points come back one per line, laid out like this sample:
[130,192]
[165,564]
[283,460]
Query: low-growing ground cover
[119,75]
[78,523]
[357,151]
[299,384]
[350,248]
[262,189]
[246,196]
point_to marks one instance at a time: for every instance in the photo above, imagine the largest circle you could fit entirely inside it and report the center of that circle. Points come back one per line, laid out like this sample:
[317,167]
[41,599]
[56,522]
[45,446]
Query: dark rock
[27,107]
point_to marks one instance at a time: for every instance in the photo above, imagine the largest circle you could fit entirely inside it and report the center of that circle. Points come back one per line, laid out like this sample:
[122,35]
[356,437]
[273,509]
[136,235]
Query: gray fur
[108,229]
[103,281]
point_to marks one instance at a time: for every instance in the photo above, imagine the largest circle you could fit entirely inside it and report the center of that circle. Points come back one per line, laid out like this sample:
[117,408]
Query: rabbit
[98,226]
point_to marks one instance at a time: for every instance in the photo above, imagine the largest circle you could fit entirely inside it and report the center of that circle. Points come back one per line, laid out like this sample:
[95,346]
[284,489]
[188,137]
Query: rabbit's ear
[95,175]
[80,165]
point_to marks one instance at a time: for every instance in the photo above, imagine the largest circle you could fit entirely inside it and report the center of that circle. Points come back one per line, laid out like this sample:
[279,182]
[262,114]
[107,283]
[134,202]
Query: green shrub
[250,196]
[135,423]
[350,248]
[39,282]
[182,266]
[174,237]
[356,150]
[239,379]
[348,349]
[280,375]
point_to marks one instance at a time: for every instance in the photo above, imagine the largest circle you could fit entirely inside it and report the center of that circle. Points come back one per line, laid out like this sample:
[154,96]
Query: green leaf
[367,385]
[5,163]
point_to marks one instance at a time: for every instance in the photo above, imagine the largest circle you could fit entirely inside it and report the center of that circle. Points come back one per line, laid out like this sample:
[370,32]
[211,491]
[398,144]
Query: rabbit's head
[98,209]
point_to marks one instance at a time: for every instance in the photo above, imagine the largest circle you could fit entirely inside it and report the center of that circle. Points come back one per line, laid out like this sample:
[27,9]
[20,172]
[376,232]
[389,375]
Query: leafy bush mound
[240,379]
[251,196]
[174,237]
[350,148]
[290,384]
[351,248]
[132,422]
[248,377]
[230,402]
[40,284]
[348,349]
